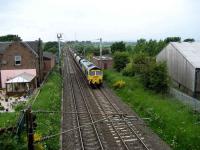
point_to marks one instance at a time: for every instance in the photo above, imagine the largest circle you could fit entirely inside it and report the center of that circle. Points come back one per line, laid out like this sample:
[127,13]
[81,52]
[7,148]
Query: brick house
[21,58]
[107,61]
[49,60]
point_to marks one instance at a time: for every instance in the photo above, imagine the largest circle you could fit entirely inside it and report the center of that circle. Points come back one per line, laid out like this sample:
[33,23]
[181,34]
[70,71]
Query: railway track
[88,136]
[116,132]
[122,127]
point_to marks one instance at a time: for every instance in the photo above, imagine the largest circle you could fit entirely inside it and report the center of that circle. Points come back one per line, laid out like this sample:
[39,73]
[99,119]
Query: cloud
[110,19]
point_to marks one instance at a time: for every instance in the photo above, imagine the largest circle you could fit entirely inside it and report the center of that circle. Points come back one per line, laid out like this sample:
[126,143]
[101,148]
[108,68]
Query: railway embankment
[171,120]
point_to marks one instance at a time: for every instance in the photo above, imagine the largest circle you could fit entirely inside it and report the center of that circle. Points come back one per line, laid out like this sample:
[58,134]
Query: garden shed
[183,62]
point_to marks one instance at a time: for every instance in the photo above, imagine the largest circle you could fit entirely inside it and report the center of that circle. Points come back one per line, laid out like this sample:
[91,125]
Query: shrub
[129,70]
[119,84]
[156,77]
[120,60]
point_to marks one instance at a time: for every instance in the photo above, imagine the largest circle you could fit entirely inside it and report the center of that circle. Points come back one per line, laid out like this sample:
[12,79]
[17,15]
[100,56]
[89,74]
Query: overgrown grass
[171,120]
[8,119]
[49,99]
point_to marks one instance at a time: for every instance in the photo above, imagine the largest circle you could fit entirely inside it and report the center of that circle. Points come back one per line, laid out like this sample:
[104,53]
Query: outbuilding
[49,60]
[183,62]
[104,62]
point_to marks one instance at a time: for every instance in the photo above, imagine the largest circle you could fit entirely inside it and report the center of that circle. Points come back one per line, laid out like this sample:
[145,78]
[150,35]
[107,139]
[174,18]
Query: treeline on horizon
[151,47]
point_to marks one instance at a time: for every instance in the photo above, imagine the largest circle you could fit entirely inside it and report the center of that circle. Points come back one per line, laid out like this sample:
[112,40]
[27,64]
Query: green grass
[171,120]
[49,99]
[8,119]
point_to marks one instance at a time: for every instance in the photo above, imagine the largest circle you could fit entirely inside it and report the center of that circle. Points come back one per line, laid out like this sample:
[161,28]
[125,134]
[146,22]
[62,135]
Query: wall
[180,70]
[108,63]
[28,61]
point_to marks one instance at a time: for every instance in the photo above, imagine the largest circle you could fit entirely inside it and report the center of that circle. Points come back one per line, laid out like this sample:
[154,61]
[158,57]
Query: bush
[156,77]
[120,60]
[141,62]
[119,84]
[129,70]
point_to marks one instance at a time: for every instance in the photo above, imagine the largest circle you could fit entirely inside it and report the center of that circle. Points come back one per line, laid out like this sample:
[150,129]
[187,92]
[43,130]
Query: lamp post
[59,37]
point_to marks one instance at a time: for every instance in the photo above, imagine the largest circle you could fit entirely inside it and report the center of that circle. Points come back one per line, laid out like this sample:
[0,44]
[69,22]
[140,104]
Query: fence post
[29,128]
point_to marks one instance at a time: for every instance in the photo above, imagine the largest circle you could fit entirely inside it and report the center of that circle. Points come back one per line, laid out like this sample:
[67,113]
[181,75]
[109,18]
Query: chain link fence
[186,99]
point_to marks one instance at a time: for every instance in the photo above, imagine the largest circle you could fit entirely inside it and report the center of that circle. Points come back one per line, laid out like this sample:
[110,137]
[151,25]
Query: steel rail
[125,145]
[118,111]
[87,107]
[75,105]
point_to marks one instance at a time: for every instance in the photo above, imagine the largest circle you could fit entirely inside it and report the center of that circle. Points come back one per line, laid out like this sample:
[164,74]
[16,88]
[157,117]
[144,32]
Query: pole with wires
[59,37]
[100,46]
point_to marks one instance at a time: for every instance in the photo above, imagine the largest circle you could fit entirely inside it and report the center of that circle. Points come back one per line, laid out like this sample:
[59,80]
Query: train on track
[93,74]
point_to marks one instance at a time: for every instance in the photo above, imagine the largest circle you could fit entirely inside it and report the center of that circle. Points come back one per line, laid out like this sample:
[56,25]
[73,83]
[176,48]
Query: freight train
[93,74]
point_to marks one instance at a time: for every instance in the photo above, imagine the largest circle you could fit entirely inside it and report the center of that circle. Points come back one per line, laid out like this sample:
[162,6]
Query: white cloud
[110,19]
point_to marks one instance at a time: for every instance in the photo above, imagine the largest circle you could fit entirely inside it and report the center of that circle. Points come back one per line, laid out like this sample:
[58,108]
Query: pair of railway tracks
[121,127]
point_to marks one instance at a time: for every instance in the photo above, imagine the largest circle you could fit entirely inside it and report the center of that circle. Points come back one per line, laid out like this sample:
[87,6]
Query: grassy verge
[171,120]
[49,99]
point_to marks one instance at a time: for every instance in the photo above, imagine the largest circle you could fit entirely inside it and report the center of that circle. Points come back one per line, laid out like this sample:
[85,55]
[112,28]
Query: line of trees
[10,37]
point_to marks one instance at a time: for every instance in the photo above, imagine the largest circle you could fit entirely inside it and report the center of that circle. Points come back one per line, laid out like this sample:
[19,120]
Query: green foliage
[172,39]
[9,142]
[156,77]
[8,119]
[51,47]
[118,46]
[141,62]
[10,37]
[120,60]
[49,99]
[189,40]
[171,120]
[129,70]
[151,47]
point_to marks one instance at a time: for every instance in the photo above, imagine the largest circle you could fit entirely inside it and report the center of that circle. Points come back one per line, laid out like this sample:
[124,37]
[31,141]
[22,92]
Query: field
[172,121]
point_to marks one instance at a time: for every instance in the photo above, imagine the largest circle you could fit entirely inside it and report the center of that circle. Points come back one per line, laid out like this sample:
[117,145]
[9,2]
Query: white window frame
[18,58]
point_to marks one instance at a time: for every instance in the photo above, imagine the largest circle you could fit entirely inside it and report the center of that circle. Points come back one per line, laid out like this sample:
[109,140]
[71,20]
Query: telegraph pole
[100,46]
[59,37]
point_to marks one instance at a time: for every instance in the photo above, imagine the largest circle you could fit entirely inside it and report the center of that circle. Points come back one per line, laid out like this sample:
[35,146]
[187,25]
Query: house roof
[191,51]
[32,45]
[3,46]
[21,78]
[48,55]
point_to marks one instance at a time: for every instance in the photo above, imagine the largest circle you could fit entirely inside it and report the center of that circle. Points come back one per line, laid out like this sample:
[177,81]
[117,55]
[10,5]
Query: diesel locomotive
[93,74]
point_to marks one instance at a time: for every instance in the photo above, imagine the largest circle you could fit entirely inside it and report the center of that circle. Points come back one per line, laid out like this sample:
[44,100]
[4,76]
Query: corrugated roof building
[183,62]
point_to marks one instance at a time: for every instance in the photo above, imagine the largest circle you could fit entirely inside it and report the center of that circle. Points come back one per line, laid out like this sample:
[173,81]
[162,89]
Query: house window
[18,60]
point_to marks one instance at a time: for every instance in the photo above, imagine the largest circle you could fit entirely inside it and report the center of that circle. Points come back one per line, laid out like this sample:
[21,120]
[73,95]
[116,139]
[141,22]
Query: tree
[189,40]
[118,46]
[172,39]
[120,60]
[151,47]
[51,47]
[10,37]
[156,77]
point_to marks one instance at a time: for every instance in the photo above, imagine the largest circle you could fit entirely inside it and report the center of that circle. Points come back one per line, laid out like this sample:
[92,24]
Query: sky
[112,20]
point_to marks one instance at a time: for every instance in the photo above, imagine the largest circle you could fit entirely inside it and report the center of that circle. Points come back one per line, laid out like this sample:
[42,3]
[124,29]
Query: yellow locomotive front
[95,77]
